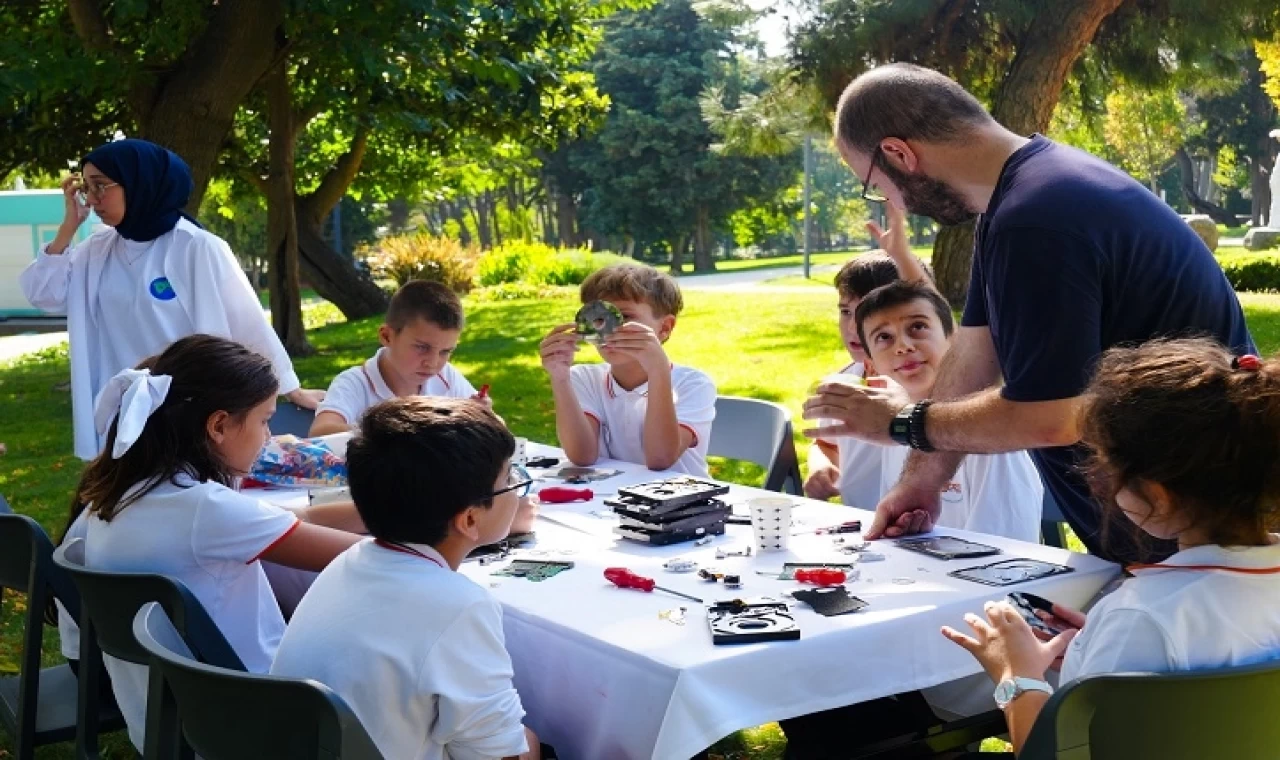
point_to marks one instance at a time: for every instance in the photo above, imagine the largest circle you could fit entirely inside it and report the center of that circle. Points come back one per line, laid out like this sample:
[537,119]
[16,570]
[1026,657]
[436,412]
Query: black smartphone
[1009,572]
[1027,604]
[946,547]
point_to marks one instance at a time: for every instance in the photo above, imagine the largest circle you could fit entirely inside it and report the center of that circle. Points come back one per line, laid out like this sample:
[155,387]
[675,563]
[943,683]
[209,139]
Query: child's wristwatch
[907,427]
[1012,688]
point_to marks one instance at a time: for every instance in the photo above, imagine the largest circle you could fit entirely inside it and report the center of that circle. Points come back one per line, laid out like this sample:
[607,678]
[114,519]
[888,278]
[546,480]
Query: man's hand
[1005,645]
[307,398]
[905,510]
[858,411]
[557,350]
[641,343]
[823,483]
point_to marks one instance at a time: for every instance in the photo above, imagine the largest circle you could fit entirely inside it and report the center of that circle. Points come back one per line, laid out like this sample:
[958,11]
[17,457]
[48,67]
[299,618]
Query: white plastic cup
[771,522]
[520,456]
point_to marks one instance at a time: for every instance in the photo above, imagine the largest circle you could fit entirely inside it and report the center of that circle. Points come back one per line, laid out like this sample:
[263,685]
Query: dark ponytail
[209,374]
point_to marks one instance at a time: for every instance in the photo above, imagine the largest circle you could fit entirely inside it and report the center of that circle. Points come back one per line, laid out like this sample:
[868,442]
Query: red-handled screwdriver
[823,576]
[624,578]
[563,495]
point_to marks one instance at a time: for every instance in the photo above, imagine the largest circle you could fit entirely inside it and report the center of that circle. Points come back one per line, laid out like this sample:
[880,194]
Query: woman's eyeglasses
[95,189]
[517,480]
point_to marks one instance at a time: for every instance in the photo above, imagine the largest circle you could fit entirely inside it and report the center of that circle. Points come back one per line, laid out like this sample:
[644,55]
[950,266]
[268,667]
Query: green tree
[1145,126]
[1017,55]
[650,175]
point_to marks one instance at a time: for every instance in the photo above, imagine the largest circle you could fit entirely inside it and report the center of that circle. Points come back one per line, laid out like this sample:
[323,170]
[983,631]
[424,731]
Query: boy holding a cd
[637,406]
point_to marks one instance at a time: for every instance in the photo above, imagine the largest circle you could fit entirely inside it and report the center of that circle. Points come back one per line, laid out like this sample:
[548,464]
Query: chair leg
[164,735]
[89,684]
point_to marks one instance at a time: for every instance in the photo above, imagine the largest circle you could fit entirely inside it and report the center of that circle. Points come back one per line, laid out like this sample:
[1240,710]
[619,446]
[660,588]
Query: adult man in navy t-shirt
[1072,256]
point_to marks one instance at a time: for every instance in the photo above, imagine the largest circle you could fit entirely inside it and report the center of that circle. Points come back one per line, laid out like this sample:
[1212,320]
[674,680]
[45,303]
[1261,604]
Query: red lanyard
[1245,570]
[404,550]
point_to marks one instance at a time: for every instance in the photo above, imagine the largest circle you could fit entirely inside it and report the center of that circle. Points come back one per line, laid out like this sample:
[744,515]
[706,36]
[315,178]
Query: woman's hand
[74,212]
[307,398]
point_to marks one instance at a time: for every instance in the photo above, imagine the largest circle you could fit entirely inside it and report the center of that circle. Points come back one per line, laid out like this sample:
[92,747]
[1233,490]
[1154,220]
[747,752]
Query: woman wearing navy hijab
[152,275]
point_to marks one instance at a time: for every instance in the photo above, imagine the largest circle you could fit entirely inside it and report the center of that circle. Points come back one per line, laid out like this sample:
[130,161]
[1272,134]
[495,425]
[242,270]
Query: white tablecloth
[602,676]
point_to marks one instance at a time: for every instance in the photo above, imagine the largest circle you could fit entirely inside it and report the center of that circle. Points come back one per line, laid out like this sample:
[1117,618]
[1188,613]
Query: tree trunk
[190,108]
[397,215]
[282,221]
[567,220]
[1024,104]
[677,255]
[492,204]
[703,245]
[1219,214]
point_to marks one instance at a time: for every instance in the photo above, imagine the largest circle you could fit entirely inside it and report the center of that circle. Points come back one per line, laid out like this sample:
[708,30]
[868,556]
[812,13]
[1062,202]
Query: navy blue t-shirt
[1072,257]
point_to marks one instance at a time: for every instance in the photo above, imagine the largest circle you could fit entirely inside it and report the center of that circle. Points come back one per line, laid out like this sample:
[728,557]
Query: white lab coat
[209,285]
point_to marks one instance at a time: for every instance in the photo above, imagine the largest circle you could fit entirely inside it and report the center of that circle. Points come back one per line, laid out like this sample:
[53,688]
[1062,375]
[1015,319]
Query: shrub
[540,264]
[420,256]
[1256,272]
[514,291]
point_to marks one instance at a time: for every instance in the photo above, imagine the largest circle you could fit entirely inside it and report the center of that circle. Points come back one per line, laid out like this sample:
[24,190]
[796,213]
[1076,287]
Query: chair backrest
[226,714]
[1052,522]
[109,601]
[291,419]
[1170,716]
[25,566]
[758,432]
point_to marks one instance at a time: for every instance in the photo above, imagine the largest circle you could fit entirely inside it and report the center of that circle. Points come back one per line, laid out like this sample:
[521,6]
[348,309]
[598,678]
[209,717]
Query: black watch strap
[907,426]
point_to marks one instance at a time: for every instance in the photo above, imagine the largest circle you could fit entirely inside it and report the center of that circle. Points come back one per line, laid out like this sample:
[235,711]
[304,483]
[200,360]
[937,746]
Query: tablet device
[946,547]
[1010,571]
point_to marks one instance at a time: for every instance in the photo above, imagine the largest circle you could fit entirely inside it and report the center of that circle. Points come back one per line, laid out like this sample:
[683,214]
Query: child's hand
[1005,645]
[557,350]
[894,241]
[641,343]
[823,483]
[1063,619]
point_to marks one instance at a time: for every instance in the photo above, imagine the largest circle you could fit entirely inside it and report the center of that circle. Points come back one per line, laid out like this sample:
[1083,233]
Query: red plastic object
[821,577]
[564,495]
[624,578]
[484,391]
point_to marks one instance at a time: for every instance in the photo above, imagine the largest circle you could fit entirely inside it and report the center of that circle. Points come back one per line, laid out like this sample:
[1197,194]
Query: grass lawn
[772,347]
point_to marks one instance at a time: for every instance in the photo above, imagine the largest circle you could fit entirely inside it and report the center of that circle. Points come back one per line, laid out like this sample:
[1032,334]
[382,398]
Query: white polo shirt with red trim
[209,537]
[1183,617]
[620,413]
[355,390]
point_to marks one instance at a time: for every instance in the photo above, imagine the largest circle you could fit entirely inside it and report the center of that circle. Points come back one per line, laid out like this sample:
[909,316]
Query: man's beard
[929,197]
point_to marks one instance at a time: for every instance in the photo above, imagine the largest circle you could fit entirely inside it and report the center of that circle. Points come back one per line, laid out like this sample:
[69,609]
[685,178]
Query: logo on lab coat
[161,290]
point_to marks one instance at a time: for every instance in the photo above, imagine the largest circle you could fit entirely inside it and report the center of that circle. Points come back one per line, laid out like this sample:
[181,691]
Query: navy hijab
[156,182]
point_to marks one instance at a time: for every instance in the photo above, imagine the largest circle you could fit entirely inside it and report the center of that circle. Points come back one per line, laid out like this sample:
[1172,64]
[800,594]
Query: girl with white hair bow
[161,498]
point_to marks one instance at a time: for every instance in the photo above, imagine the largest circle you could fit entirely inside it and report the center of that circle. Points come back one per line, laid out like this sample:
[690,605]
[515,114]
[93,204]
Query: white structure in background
[28,220]
[1259,238]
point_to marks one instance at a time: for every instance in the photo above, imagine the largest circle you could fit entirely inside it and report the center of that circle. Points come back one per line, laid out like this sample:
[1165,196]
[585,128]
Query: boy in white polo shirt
[906,328]
[637,406]
[420,334]
[415,648]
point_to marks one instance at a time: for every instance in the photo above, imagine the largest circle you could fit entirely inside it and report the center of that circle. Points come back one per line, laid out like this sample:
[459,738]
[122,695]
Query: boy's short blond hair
[634,282]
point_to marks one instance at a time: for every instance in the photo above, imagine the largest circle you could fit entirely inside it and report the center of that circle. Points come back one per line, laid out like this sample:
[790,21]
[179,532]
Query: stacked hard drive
[670,511]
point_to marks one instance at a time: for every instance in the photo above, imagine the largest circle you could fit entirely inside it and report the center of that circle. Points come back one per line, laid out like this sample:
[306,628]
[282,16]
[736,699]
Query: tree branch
[90,24]
[338,179]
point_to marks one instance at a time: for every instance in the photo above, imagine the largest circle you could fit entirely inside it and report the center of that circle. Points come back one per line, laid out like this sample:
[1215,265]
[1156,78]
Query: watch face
[1005,692]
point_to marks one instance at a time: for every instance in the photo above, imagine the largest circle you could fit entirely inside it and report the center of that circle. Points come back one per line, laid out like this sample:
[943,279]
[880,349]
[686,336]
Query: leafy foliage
[402,258]
[539,264]
[1253,272]
[1145,126]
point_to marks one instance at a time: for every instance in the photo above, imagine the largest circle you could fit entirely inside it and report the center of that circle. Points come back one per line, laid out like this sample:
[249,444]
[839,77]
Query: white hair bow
[133,396]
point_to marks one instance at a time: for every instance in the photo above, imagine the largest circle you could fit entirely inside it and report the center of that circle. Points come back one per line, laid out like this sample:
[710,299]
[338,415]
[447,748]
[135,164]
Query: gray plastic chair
[1226,713]
[1053,525]
[39,706]
[229,715]
[291,419]
[110,601]
[758,432]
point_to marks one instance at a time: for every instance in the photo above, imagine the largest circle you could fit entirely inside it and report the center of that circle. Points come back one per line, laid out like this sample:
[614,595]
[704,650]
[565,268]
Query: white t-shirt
[209,537]
[355,390]
[998,494]
[620,413]
[859,461]
[69,627]
[415,649]
[1174,620]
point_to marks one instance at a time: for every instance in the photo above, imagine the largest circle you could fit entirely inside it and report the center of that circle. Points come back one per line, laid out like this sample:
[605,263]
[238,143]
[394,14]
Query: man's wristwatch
[1012,688]
[907,427]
